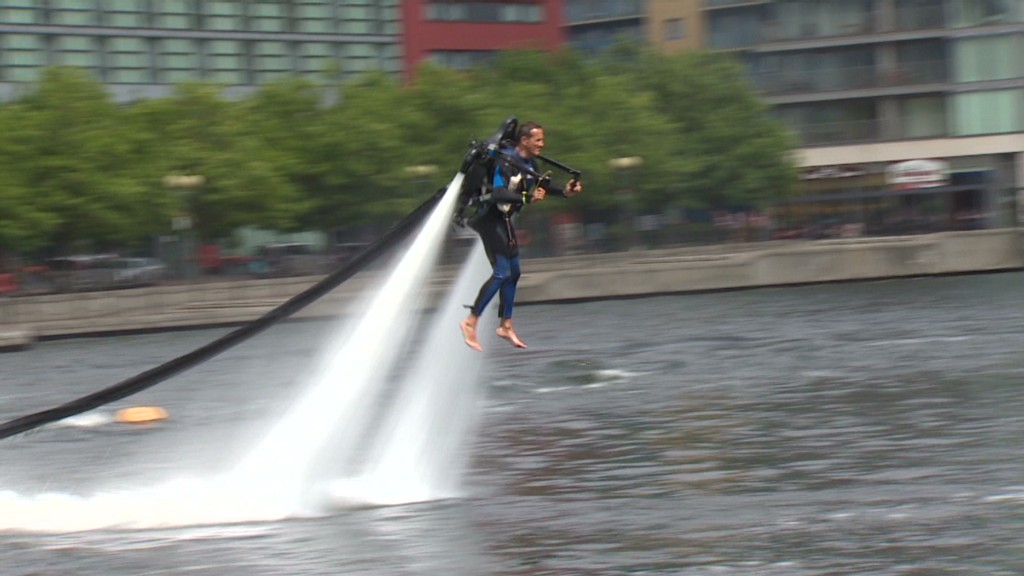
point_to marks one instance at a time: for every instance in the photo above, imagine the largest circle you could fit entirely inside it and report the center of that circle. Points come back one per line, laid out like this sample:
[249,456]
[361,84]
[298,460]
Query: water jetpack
[481,161]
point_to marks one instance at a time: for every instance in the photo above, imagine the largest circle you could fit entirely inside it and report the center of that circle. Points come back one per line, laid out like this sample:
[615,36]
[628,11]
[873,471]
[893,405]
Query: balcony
[711,4]
[603,11]
[821,80]
[912,18]
[912,73]
[836,133]
[778,31]
[850,78]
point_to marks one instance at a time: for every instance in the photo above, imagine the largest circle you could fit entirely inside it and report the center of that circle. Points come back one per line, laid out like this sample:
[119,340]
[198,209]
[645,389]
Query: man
[515,184]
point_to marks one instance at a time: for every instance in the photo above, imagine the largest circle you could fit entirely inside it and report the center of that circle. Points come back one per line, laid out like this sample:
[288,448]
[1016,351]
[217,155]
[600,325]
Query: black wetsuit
[493,222]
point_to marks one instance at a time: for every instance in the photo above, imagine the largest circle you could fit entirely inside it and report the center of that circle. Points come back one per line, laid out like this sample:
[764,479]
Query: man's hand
[573,188]
[538,195]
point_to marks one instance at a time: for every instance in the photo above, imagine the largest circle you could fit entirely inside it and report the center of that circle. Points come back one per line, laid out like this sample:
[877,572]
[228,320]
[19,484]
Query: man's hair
[525,129]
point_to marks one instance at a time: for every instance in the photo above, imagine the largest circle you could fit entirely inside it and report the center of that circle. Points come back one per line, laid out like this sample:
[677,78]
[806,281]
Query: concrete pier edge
[545,280]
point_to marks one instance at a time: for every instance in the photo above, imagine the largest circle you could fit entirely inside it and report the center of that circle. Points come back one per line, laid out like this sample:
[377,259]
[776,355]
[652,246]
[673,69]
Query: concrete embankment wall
[777,264]
[544,280]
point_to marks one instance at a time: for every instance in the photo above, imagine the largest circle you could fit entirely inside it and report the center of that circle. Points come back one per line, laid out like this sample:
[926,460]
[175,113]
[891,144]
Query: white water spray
[422,447]
[340,400]
[418,456]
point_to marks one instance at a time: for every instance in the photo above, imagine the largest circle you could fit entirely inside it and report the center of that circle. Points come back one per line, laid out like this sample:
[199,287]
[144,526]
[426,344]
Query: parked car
[80,272]
[129,272]
[289,259]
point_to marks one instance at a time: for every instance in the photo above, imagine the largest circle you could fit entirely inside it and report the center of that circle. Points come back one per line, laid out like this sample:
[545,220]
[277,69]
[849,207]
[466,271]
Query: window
[919,14]
[833,122]
[992,112]
[22,56]
[125,13]
[74,12]
[128,60]
[315,57]
[675,29]
[270,60]
[735,28]
[175,14]
[361,57]
[795,19]
[225,61]
[483,12]
[222,15]
[988,58]
[21,12]
[268,17]
[360,19]
[586,10]
[919,62]
[81,51]
[923,117]
[964,13]
[177,59]
[313,17]
[461,59]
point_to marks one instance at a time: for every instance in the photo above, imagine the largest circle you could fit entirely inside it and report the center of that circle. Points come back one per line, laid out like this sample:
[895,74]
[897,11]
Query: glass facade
[988,112]
[927,76]
[596,25]
[577,11]
[133,42]
[484,12]
[988,58]
[968,13]
[923,116]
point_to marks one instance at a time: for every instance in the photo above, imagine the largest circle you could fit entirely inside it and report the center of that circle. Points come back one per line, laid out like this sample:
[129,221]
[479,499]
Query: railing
[910,73]
[909,18]
[721,3]
[777,31]
[839,132]
[851,78]
[821,80]
[602,10]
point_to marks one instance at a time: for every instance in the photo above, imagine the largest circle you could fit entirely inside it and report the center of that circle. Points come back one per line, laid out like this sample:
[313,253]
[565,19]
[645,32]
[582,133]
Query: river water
[861,428]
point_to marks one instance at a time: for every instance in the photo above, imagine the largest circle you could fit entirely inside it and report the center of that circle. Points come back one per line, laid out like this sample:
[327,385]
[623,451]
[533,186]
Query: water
[863,428]
[342,399]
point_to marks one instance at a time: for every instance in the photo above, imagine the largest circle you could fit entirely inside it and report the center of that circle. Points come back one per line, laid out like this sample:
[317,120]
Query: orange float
[140,414]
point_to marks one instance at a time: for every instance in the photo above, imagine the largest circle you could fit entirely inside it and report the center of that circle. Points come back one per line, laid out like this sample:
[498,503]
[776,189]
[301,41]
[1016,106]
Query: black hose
[158,374]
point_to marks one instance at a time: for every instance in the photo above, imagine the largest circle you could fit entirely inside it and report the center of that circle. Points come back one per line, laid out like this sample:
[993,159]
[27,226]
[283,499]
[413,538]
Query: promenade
[562,279]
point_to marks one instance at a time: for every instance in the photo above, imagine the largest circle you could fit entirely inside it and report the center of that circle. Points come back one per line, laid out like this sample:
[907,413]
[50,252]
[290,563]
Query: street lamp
[185,186]
[625,167]
[421,173]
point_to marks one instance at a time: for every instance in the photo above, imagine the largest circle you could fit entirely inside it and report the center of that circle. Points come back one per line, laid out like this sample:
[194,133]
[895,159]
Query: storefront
[909,197]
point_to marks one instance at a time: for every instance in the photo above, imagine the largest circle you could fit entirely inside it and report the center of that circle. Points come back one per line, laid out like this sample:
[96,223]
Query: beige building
[674,25]
[872,87]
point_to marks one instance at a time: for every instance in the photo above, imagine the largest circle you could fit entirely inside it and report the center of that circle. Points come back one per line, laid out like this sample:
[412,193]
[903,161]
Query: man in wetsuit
[512,188]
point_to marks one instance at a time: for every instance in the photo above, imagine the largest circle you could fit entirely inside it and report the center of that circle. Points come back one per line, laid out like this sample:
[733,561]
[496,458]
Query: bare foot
[509,333]
[469,335]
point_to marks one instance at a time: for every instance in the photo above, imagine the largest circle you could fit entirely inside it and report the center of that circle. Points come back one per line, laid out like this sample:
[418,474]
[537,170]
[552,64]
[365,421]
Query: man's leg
[508,299]
[499,277]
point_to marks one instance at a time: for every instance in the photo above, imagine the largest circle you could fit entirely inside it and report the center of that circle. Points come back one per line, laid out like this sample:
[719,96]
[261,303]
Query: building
[901,106]
[592,26]
[140,48]
[674,25]
[463,34]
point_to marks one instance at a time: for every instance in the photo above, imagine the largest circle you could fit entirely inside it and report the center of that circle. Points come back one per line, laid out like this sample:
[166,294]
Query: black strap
[153,376]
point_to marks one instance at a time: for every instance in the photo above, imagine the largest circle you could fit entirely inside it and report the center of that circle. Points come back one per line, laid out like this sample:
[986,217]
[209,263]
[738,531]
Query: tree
[199,133]
[729,150]
[65,145]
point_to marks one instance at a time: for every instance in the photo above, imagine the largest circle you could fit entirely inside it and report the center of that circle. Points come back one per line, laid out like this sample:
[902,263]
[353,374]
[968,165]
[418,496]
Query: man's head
[530,139]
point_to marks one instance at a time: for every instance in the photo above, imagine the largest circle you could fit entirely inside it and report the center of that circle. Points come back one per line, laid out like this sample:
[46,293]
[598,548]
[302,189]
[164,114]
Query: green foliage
[77,170]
